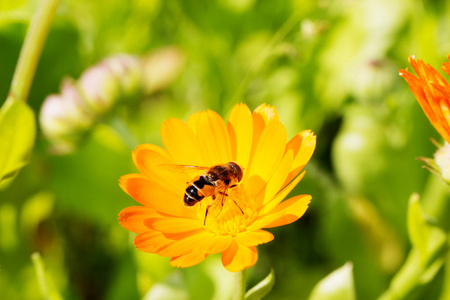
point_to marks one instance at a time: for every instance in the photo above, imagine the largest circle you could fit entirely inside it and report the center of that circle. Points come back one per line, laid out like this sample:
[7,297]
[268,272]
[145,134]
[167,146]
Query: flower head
[432,92]
[256,142]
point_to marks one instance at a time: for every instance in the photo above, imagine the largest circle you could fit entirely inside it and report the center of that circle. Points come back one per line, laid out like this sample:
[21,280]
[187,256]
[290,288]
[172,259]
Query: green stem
[31,50]
[240,283]
[409,278]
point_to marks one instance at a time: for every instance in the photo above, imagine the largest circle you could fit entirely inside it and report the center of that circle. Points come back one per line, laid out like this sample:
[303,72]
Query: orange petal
[265,158]
[169,224]
[254,238]
[303,145]
[181,143]
[286,212]
[149,158]
[151,241]
[188,260]
[238,257]
[281,195]
[132,218]
[157,196]
[446,66]
[213,137]
[216,244]
[124,179]
[240,130]
[208,243]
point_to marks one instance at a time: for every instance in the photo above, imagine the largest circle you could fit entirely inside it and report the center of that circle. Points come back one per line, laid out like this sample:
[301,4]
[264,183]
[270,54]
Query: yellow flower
[432,92]
[257,143]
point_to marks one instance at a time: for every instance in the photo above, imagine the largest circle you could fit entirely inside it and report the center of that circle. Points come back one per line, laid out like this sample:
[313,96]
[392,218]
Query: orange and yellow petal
[213,137]
[430,88]
[273,202]
[238,257]
[254,238]
[181,143]
[157,196]
[185,244]
[266,156]
[240,130]
[302,145]
[151,241]
[276,181]
[150,161]
[132,218]
[188,260]
[171,224]
[284,213]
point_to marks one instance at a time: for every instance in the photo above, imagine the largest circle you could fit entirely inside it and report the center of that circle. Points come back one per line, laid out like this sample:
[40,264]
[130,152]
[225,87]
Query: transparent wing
[218,203]
[181,168]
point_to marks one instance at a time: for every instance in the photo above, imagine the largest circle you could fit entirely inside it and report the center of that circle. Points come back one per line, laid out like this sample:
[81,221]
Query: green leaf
[423,233]
[46,285]
[262,288]
[17,133]
[336,286]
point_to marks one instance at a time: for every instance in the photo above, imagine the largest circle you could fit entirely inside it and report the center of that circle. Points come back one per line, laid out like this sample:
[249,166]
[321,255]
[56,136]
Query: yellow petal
[276,181]
[267,113]
[281,195]
[158,196]
[132,218]
[188,260]
[238,257]
[286,212]
[149,160]
[216,244]
[213,137]
[192,122]
[181,143]
[266,157]
[261,116]
[185,245]
[168,224]
[240,130]
[254,238]
[303,145]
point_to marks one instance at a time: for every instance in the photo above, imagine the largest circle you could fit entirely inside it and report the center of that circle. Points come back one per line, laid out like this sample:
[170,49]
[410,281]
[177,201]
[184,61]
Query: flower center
[232,217]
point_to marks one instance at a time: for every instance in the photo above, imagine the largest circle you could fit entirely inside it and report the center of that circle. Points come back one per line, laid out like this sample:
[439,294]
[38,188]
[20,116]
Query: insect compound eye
[237,170]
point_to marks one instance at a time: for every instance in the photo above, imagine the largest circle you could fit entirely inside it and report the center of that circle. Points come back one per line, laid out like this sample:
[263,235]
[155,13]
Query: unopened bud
[100,88]
[442,161]
[63,116]
[128,70]
[160,68]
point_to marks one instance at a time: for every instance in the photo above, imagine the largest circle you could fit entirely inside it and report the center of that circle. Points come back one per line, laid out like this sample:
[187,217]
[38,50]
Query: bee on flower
[216,186]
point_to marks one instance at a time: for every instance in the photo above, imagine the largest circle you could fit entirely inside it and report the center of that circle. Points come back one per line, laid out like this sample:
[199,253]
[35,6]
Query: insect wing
[181,168]
[221,197]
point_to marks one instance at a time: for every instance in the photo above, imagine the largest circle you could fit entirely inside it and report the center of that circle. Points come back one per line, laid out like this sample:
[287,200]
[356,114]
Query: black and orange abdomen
[195,192]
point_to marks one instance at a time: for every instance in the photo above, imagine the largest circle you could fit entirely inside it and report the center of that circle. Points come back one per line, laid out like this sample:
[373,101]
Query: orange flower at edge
[432,92]
[257,143]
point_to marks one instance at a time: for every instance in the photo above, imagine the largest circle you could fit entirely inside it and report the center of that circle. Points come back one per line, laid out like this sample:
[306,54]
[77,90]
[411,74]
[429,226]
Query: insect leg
[207,209]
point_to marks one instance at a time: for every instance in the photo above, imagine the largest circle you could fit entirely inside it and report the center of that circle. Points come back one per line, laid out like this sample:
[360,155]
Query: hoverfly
[214,181]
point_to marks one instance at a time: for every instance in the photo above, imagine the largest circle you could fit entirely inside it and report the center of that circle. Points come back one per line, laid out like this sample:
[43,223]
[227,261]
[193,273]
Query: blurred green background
[329,66]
